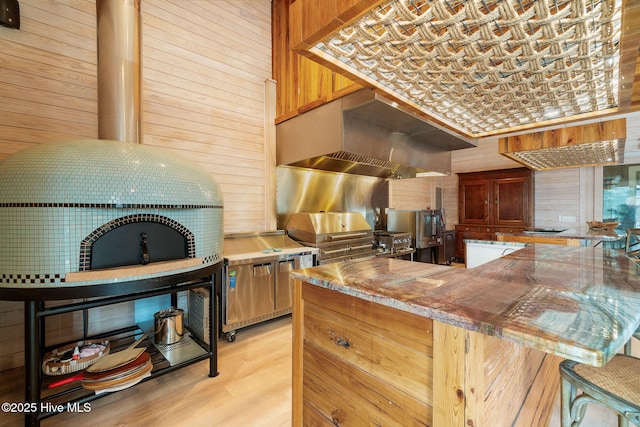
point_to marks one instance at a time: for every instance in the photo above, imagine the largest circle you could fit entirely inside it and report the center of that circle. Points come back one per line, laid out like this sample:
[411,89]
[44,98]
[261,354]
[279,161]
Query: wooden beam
[566,136]
[449,375]
[629,78]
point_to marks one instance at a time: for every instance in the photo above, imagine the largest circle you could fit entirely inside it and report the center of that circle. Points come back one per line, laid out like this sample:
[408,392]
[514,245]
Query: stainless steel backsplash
[306,190]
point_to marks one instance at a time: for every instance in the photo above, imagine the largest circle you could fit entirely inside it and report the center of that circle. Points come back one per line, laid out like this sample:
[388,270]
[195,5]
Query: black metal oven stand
[35,312]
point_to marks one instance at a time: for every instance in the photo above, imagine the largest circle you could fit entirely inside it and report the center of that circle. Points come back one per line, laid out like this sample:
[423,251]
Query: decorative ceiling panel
[486,66]
[595,153]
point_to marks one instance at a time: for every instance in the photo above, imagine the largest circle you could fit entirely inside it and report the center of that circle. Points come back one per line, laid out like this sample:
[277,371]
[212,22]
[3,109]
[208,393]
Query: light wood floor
[252,390]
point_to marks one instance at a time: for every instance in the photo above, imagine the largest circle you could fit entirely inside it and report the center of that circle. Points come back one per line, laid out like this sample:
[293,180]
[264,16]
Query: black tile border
[106,205]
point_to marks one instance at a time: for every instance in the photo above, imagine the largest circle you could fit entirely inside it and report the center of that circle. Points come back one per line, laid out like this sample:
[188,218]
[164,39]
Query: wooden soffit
[593,144]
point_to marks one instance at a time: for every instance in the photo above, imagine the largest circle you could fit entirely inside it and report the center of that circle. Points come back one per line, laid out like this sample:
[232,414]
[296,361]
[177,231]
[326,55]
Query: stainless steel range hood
[365,134]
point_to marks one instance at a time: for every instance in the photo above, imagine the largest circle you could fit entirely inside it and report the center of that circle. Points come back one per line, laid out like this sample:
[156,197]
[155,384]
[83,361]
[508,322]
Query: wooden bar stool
[632,249]
[632,243]
[627,346]
[615,385]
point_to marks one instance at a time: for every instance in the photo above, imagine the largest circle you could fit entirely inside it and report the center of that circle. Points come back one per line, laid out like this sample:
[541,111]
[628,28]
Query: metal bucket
[168,326]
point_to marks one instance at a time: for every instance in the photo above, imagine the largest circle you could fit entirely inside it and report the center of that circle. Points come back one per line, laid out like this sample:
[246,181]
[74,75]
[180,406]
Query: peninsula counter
[571,237]
[387,341]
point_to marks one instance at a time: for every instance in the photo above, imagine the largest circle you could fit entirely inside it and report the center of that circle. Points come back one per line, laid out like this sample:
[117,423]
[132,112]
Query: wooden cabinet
[491,202]
[380,357]
[301,84]
[357,362]
[473,201]
[469,232]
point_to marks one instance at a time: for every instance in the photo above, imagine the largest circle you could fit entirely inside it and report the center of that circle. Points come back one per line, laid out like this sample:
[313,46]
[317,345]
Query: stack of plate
[118,377]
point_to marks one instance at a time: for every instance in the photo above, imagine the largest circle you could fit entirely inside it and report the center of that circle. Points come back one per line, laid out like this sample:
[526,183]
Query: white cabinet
[480,252]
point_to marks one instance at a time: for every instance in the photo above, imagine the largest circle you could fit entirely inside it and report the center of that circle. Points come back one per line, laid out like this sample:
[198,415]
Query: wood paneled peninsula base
[392,342]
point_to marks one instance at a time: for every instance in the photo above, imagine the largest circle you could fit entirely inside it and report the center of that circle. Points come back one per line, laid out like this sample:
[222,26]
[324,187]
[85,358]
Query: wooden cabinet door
[301,84]
[511,202]
[374,354]
[473,202]
[486,200]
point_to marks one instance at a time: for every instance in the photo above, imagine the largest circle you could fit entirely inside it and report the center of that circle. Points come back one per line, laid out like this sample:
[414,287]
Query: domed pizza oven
[77,213]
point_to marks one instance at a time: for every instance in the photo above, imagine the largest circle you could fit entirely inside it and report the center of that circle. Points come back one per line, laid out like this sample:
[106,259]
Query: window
[621,188]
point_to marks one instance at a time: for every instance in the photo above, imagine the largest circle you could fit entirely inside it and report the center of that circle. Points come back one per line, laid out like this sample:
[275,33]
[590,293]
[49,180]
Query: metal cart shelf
[102,295]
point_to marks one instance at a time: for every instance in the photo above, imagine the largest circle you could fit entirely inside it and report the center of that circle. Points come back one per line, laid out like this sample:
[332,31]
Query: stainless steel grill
[393,243]
[339,236]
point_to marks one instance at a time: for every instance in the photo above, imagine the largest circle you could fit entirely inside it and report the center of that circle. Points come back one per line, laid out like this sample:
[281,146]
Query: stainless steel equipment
[449,244]
[339,236]
[426,226]
[393,242]
[168,326]
[363,133]
[256,283]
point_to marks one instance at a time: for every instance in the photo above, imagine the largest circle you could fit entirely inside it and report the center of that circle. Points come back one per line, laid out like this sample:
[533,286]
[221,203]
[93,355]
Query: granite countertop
[571,233]
[581,303]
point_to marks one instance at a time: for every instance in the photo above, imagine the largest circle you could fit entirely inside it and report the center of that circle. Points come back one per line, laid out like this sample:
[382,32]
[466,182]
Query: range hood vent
[365,134]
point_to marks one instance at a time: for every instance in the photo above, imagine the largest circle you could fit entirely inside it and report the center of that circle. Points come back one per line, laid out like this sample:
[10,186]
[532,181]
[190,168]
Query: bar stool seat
[615,386]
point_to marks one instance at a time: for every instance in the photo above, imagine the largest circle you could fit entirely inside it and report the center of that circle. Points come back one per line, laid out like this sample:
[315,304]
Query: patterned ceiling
[487,66]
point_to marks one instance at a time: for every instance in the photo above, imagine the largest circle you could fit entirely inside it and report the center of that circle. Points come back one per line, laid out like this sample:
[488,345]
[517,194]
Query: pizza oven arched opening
[134,240]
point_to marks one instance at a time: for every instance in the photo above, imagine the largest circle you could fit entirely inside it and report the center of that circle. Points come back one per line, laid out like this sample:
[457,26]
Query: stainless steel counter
[256,284]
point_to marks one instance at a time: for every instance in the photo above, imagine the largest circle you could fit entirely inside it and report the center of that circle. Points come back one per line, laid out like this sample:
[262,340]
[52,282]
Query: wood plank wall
[564,192]
[48,81]
[420,193]
[205,68]
[415,193]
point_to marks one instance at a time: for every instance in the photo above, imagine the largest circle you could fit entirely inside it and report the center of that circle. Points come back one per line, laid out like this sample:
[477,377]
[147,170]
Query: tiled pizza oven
[61,201]
[89,212]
